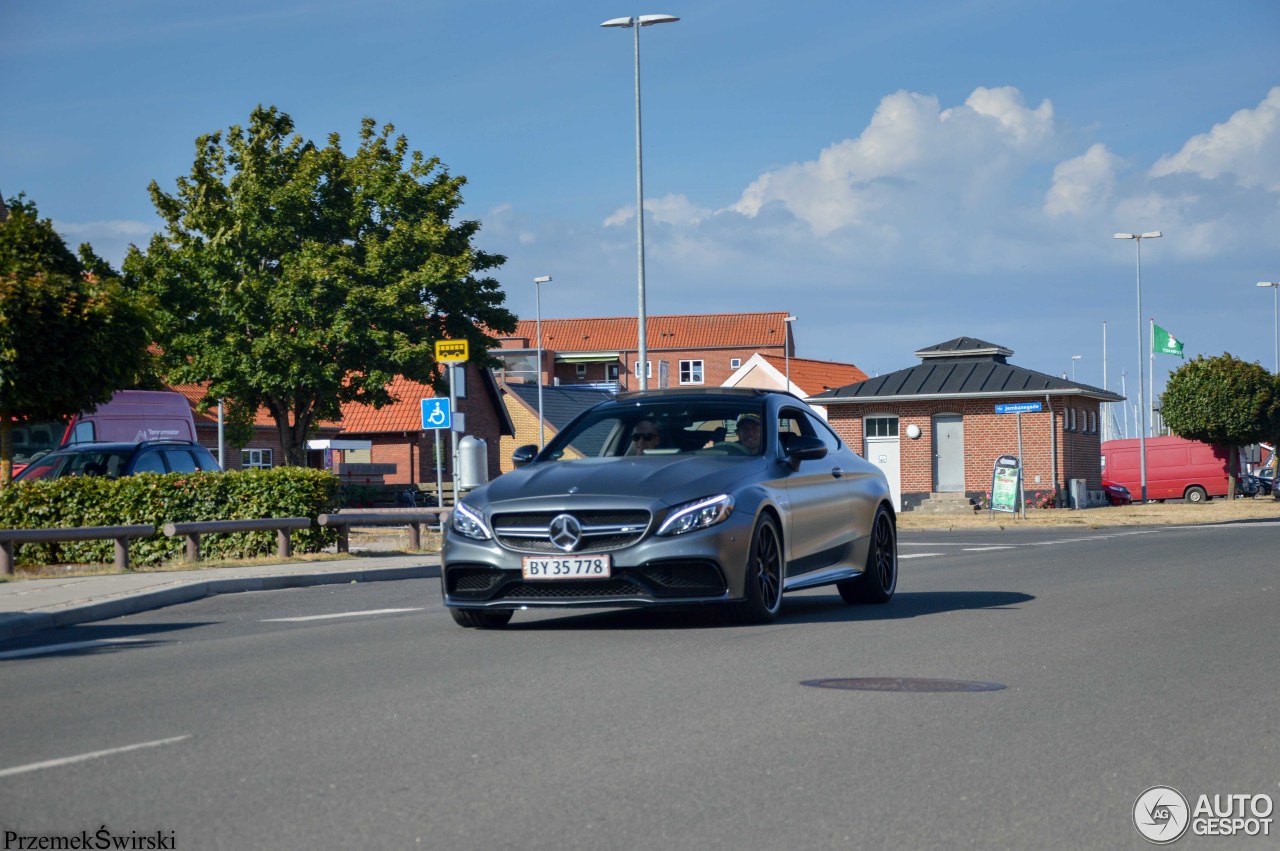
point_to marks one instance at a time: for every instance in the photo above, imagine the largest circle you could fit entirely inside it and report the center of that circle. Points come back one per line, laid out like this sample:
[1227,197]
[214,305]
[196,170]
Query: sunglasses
[644,435]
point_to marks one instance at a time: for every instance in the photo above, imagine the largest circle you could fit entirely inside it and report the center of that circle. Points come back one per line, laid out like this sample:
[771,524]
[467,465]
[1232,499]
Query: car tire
[1196,494]
[880,578]
[481,618]
[762,598]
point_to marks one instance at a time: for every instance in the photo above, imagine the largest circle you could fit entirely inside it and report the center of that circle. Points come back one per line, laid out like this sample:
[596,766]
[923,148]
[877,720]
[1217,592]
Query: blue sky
[894,174]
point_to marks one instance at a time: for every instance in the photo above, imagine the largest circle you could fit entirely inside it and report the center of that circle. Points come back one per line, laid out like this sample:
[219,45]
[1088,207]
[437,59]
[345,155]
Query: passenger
[748,431]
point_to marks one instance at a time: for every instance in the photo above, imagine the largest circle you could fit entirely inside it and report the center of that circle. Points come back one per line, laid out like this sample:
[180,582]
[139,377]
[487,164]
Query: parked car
[114,460]
[1117,494]
[1251,484]
[661,498]
[130,415]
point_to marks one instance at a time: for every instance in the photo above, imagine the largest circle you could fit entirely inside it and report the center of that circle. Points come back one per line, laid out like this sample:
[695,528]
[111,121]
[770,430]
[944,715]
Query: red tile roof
[815,376]
[402,415]
[618,333]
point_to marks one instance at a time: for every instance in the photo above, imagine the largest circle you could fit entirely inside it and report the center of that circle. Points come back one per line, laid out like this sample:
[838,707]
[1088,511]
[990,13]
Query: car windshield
[662,427]
[32,440]
[88,463]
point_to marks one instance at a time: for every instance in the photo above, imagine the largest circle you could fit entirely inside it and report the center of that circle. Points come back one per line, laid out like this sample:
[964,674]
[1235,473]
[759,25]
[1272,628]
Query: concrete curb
[22,623]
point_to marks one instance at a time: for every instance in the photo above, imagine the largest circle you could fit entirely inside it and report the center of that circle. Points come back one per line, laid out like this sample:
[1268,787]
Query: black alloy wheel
[763,592]
[880,578]
[482,618]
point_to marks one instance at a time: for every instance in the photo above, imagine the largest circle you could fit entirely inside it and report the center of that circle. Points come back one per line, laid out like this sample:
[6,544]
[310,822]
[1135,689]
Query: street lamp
[635,23]
[1275,293]
[1074,358]
[542,426]
[786,347]
[1142,415]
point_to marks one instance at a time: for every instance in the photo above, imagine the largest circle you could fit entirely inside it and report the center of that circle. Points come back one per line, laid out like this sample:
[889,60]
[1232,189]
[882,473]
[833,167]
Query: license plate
[567,567]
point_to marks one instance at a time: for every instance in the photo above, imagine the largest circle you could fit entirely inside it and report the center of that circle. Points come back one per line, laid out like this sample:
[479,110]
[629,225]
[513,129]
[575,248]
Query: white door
[885,453]
[948,453]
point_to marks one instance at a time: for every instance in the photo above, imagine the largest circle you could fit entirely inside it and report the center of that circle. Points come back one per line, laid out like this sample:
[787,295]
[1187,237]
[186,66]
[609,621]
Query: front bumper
[696,568]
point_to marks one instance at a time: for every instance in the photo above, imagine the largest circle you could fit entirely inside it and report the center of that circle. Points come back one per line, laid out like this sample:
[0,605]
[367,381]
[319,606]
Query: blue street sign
[1020,408]
[436,414]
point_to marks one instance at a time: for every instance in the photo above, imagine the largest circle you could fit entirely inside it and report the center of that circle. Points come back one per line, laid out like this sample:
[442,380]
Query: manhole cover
[903,684]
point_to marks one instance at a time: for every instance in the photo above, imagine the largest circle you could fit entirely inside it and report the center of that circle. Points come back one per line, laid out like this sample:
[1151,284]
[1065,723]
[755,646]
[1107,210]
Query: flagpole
[1151,384]
[1106,406]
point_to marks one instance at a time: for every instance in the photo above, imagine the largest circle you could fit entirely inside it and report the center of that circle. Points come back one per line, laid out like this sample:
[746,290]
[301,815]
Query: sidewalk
[34,604]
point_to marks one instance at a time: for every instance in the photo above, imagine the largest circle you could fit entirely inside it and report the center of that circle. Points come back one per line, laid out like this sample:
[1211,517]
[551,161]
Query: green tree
[297,278]
[1223,400]
[70,334]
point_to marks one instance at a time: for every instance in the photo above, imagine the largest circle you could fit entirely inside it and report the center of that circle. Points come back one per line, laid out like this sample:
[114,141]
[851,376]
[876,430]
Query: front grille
[602,531]
[572,590]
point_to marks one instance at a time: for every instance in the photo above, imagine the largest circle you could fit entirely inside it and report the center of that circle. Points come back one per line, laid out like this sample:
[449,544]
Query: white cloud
[669,210]
[912,147]
[1082,185]
[1247,146]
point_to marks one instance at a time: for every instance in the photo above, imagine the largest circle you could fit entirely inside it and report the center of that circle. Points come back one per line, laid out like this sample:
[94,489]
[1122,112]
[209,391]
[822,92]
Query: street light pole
[537,288]
[635,23]
[1142,413]
[1074,358]
[786,347]
[1275,293]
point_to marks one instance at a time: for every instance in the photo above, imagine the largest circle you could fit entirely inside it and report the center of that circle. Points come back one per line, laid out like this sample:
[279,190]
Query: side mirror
[524,454]
[804,448]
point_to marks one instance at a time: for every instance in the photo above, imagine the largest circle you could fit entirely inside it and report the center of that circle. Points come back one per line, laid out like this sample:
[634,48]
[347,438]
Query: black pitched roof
[964,366]
[559,404]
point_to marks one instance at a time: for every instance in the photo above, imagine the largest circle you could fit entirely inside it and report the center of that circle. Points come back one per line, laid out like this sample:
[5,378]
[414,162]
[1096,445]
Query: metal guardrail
[282,526]
[411,517]
[120,534]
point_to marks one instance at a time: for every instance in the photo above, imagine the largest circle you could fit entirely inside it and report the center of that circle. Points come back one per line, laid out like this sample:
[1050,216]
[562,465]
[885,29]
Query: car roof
[118,446]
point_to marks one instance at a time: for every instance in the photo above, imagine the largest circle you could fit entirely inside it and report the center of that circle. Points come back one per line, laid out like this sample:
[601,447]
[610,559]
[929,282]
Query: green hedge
[174,498]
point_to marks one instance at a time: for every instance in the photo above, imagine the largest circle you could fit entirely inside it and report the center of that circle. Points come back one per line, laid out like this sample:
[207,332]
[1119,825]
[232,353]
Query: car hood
[668,480]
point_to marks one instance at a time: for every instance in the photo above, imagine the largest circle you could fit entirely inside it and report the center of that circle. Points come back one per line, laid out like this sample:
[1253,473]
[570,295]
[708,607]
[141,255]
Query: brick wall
[987,436]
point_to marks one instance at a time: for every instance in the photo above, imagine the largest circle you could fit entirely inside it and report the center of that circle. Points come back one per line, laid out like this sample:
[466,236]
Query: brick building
[807,377]
[383,446]
[682,351]
[934,429]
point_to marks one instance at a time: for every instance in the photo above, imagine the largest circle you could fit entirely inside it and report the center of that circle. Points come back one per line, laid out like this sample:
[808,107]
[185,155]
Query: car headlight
[699,514]
[468,523]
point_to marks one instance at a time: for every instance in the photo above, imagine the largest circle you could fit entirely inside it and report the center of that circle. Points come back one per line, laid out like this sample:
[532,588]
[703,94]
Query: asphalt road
[361,717]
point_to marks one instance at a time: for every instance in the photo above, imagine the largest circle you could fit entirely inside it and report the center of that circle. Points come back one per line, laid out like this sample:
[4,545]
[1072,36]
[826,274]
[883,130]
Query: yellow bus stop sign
[451,351]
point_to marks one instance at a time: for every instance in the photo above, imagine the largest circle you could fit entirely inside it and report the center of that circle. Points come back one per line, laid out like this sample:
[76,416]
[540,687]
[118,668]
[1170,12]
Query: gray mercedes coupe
[675,498]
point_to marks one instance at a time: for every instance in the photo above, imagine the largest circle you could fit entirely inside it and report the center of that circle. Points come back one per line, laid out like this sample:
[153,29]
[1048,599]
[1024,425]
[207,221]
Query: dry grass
[1151,514]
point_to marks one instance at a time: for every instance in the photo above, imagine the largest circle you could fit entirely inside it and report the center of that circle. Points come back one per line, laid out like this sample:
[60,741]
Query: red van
[1176,468]
[130,416]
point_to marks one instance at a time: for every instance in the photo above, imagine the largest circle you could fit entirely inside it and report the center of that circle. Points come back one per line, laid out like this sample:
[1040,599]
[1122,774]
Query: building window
[1071,419]
[613,372]
[648,369]
[880,427]
[259,459]
[582,371]
[1093,422]
[734,363]
[690,372]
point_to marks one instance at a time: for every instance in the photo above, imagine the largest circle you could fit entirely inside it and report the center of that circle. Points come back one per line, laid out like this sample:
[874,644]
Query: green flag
[1164,343]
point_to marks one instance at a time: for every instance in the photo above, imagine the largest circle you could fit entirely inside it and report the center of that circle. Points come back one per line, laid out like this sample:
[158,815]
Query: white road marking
[917,555]
[54,763]
[62,648]
[984,549]
[369,613]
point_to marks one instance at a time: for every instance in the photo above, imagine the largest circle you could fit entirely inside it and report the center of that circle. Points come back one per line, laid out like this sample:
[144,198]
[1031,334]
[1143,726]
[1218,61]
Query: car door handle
[837,472]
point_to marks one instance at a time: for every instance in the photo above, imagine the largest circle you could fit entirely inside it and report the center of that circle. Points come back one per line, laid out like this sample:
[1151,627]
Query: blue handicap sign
[436,414]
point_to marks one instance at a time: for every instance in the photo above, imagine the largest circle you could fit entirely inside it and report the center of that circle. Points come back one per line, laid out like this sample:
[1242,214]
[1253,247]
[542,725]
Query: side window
[82,433]
[829,437]
[180,461]
[149,462]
